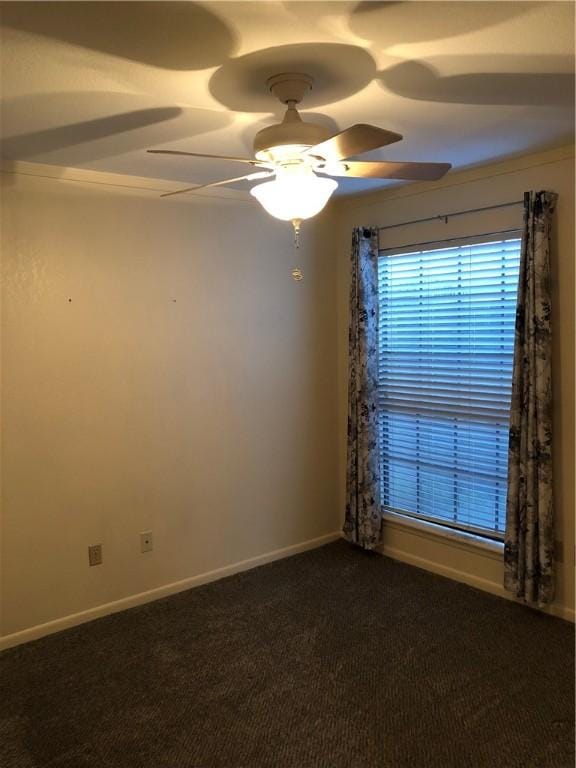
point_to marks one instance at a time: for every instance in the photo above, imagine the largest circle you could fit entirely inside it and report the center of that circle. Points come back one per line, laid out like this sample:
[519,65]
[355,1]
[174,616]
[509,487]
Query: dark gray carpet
[334,658]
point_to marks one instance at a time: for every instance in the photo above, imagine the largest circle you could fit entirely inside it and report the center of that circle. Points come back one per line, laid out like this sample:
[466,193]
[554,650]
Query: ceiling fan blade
[249,177]
[385,170]
[353,141]
[199,154]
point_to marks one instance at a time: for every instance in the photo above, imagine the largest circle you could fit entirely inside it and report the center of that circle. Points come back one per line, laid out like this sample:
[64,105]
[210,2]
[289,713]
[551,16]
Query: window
[446,339]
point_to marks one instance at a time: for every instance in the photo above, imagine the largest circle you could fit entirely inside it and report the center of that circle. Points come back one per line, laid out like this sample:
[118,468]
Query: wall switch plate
[95,554]
[146,543]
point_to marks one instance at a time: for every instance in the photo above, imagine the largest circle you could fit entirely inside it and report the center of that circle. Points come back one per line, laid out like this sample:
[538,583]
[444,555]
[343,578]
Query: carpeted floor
[330,659]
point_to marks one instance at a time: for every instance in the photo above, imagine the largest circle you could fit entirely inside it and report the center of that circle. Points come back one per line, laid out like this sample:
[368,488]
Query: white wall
[488,185]
[161,371]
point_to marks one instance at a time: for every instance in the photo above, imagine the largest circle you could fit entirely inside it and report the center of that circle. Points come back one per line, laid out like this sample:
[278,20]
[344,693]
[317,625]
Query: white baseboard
[472,580]
[41,630]
[50,627]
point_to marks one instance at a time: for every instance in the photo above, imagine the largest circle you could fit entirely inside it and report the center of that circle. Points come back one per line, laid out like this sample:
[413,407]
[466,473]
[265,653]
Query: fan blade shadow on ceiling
[315,10]
[63,136]
[168,35]
[387,23]
[422,82]
[107,133]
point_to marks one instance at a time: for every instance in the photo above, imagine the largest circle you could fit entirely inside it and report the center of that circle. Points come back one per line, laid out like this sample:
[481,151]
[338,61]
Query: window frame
[438,526]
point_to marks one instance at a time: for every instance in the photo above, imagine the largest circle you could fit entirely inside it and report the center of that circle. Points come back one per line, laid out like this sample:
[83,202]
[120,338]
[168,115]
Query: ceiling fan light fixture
[295,149]
[291,196]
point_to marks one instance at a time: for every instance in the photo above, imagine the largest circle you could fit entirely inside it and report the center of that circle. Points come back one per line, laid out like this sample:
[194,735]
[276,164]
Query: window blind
[446,335]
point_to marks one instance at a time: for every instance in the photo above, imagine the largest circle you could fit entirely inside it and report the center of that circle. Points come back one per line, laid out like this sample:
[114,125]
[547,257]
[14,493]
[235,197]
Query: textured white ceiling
[94,84]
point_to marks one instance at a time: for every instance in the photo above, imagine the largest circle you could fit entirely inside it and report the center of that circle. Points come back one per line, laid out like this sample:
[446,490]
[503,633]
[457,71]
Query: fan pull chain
[296,224]
[296,272]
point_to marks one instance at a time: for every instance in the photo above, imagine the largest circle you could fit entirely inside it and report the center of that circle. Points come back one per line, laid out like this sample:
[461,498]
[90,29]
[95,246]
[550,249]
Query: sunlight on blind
[446,339]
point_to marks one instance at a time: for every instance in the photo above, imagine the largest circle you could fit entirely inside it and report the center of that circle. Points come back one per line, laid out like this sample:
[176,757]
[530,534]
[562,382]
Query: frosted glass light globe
[296,193]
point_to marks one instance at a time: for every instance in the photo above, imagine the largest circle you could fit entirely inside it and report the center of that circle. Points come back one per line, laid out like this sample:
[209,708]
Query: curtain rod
[444,217]
[404,248]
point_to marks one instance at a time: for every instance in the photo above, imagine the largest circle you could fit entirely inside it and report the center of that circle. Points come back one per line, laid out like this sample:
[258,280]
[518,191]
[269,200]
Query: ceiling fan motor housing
[290,133]
[290,89]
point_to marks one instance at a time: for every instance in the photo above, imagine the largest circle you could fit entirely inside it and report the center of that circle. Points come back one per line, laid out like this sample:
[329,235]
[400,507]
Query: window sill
[460,539]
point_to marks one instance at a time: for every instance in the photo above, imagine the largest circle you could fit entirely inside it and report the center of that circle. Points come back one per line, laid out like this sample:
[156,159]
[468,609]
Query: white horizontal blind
[446,338]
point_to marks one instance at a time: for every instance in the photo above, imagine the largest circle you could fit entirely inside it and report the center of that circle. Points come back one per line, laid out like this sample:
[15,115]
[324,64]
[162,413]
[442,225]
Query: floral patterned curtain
[363,523]
[529,539]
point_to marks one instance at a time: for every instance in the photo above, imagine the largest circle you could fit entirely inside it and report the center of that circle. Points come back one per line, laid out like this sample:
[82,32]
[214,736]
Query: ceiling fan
[295,151]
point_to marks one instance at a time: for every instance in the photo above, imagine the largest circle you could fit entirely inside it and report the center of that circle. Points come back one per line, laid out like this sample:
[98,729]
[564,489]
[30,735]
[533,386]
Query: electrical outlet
[95,554]
[146,543]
